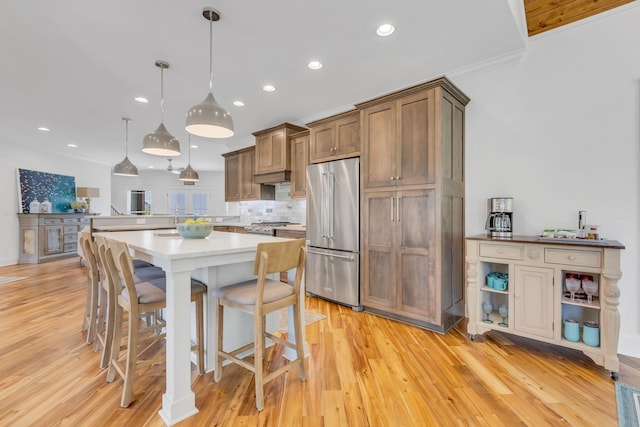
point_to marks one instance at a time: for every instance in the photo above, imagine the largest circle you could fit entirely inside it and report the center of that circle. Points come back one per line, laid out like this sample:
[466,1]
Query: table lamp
[87,193]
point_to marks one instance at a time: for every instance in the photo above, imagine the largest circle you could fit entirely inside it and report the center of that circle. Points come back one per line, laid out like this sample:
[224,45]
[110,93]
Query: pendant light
[125,167]
[189,174]
[209,119]
[161,142]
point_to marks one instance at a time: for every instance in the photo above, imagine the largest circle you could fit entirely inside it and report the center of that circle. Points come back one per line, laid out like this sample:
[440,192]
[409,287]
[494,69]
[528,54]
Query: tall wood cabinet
[412,207]
[239,183]
[300,160]
[335,137]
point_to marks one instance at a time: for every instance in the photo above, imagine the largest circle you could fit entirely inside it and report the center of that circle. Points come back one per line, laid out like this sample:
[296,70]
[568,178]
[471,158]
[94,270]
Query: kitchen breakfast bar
[218,260]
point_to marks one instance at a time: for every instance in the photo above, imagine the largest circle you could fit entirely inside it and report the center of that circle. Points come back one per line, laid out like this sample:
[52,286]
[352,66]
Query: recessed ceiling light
[150,167]
[385,30]
[315,65]
[43,129]
[195,146]
[268,88]
[238,103]
[72,145]
[141,99]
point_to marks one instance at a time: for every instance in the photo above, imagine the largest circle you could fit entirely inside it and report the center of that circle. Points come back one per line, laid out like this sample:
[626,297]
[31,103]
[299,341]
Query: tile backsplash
[284,208]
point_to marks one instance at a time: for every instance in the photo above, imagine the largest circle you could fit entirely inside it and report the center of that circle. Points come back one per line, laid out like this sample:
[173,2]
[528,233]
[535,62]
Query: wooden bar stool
[138,300]
[89,321]
[260,297]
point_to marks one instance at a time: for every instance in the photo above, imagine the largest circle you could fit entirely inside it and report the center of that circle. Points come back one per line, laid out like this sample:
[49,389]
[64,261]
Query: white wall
[14,157]
[157,181]
[559,131]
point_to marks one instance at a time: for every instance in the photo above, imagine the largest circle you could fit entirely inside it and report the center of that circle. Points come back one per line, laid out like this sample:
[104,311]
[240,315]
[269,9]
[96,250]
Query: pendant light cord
[126,136]
[161,94]
[210,53]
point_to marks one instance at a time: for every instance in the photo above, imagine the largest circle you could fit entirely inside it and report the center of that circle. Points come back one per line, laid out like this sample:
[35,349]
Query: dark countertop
[604,243]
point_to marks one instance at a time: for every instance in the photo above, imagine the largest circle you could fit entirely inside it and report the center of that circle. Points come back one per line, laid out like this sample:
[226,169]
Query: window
[181,201]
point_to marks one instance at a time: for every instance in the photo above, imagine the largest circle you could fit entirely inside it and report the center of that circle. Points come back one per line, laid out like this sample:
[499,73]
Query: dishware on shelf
[590,287]
[572,283]
[572,330]
[503,310]
[498,281]
[487,308]
[591,334]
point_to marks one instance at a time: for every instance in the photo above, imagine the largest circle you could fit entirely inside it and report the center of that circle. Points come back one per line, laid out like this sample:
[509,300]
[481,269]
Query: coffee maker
[500,219]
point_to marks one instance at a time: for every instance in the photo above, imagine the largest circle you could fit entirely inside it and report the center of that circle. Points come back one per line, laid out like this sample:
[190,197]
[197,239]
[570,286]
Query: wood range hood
[273,177]
[273,154]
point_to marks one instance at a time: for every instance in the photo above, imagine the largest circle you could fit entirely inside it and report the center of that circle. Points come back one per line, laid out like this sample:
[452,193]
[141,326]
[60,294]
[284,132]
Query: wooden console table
[536,297]
[49,236]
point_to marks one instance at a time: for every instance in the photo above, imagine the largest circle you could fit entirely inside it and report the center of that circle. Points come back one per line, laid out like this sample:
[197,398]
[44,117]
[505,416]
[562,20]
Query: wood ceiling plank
[544,15]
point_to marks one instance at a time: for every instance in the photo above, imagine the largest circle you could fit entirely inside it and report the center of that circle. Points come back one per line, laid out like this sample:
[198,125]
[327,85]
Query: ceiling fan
[176,170]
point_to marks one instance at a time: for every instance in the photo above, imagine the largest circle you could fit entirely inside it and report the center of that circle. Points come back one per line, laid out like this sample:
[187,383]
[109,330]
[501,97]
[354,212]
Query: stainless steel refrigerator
[333,231]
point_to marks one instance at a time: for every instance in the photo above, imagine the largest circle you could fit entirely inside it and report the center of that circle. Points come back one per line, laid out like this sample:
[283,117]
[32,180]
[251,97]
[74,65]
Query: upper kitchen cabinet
[273,153]
[404,133]
[238,178]
[300,157]
[336,137]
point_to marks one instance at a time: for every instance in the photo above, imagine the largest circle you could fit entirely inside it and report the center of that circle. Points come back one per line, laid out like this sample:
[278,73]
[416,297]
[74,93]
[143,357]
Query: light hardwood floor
[363,371]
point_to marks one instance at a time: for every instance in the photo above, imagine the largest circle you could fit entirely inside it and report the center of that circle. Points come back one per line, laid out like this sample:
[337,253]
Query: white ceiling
[75,65]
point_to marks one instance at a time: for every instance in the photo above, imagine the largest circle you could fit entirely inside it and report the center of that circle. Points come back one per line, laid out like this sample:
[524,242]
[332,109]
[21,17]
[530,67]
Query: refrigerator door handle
[325,209]
[349,257]
[332,187]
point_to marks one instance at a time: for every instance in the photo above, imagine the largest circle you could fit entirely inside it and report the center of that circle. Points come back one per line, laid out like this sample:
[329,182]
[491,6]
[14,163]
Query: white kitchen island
[219,260]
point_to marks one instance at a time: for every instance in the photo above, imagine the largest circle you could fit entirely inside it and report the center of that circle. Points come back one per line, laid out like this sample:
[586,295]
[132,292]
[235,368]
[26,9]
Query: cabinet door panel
[300,155]
[323,140]
[379,132]
[416,135]
[232,178]
[534,300]
[418,284]
[419,296]
[348,134]
[53,238]
[249,190]
[271,152]
[378,261]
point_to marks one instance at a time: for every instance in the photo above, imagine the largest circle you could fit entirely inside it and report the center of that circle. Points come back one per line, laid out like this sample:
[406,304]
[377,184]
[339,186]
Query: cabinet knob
[397,177]
[571,257]
[391,178]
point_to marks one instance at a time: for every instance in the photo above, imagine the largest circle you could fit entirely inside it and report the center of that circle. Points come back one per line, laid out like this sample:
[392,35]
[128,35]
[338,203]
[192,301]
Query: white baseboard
[8,261]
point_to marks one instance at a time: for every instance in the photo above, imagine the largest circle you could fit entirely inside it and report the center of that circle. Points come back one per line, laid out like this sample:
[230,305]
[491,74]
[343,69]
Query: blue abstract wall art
[60,190]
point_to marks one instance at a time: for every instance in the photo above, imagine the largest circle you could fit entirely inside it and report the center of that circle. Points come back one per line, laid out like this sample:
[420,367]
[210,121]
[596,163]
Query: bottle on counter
[34,206]
[45,207]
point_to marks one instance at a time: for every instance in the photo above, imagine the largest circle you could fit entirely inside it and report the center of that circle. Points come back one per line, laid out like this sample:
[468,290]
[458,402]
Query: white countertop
[173,246]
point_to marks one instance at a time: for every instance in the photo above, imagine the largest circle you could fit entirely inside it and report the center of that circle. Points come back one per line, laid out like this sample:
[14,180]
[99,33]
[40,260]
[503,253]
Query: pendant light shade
[189,174]
[161,142]
[208,119]
[125,167]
